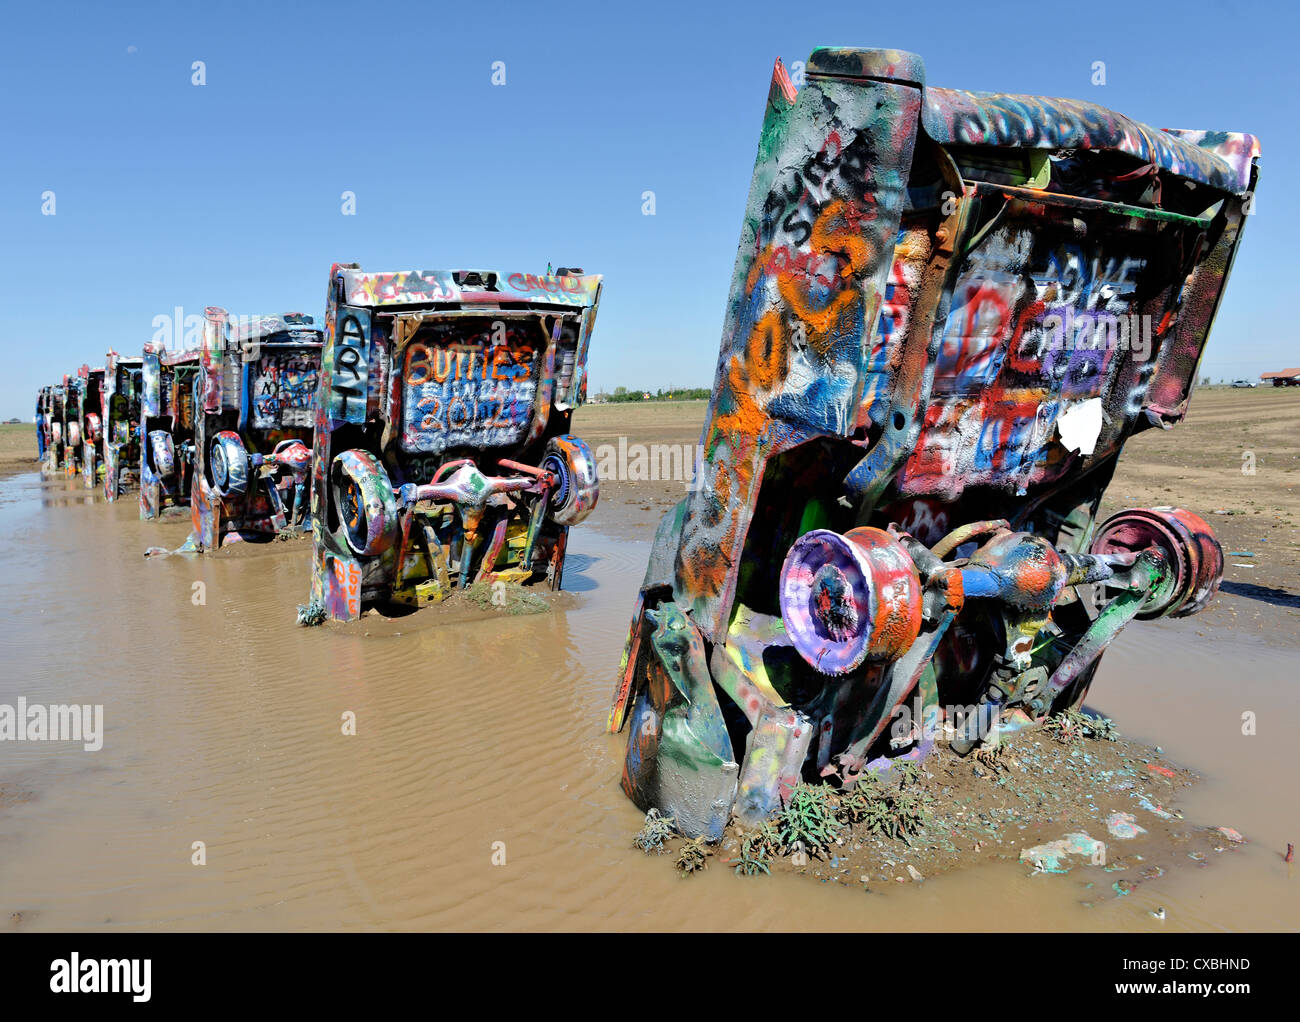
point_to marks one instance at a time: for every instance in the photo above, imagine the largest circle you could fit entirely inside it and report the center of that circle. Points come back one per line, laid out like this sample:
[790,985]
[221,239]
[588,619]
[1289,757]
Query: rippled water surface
[223,725]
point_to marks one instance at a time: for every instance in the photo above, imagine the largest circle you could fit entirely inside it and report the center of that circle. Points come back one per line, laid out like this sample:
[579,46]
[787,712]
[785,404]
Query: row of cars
[949,313]
[421,432]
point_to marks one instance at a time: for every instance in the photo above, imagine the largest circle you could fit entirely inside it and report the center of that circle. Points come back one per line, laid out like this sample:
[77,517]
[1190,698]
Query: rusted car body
[123,389]
[252,440]
[169,403]
[442,453]
[87,413]
[949,312]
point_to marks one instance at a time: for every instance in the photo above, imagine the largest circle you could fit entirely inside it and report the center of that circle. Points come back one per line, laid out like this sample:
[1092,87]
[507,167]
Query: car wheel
[363,502]
[577,489]
[162,453]
[228,462]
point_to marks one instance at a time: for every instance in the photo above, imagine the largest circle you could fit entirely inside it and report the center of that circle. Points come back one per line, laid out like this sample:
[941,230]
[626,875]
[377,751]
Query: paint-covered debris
[442,454]
[1159,810]
[1123,826]
[949,313]
[1048,858]
[1231,835]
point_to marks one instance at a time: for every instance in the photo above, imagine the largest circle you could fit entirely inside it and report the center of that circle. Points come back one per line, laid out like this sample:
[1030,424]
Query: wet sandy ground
[223,725]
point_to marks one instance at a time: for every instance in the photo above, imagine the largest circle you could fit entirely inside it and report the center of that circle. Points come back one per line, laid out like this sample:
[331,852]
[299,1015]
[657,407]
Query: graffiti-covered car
[948,314]
[123,389]
[49,428]
[252,441]
[168,413]
[87,413]
[442,450]
[70,431]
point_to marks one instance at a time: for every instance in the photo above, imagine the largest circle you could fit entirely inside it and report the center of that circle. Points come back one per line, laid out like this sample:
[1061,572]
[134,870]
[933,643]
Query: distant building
[1282,378]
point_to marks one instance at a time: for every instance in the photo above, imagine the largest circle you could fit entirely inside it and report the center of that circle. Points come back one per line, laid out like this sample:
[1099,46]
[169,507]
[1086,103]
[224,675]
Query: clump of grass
[655,832]
[1103,729]
[909,810]
[693,857]
[1069,726]
[861,802]
[886,811]
[756,848]
[992,756]
[809,818]
[909,774]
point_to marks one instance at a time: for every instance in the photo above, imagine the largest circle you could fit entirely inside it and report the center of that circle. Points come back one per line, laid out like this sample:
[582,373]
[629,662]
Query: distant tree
[672,394]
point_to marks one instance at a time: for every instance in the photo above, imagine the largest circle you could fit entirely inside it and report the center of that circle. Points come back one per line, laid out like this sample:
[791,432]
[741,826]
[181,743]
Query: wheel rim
[220,471]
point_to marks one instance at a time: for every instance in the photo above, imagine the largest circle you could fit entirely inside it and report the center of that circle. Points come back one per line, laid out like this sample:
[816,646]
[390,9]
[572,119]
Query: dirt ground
[1117,799]
[18,448]
[1197,465]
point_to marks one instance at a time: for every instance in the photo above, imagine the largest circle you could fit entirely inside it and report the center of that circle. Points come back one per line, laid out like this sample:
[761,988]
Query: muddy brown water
[223,725]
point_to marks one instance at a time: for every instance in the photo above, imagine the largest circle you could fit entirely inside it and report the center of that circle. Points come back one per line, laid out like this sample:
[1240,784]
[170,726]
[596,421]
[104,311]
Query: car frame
[88,414]
[442,450]
[949,312]
[169,406]
[49,428]
[123,389]
[252,440]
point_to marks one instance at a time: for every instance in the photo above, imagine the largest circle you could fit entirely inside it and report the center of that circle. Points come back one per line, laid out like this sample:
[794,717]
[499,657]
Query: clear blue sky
[229,194]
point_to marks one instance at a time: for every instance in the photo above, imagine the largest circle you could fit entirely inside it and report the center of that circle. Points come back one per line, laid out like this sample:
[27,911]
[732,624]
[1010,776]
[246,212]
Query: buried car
[442,453]
[168,408]
[949,312]
[253,433]
[49,428]
[73,441]
[88,415]
[123,387]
